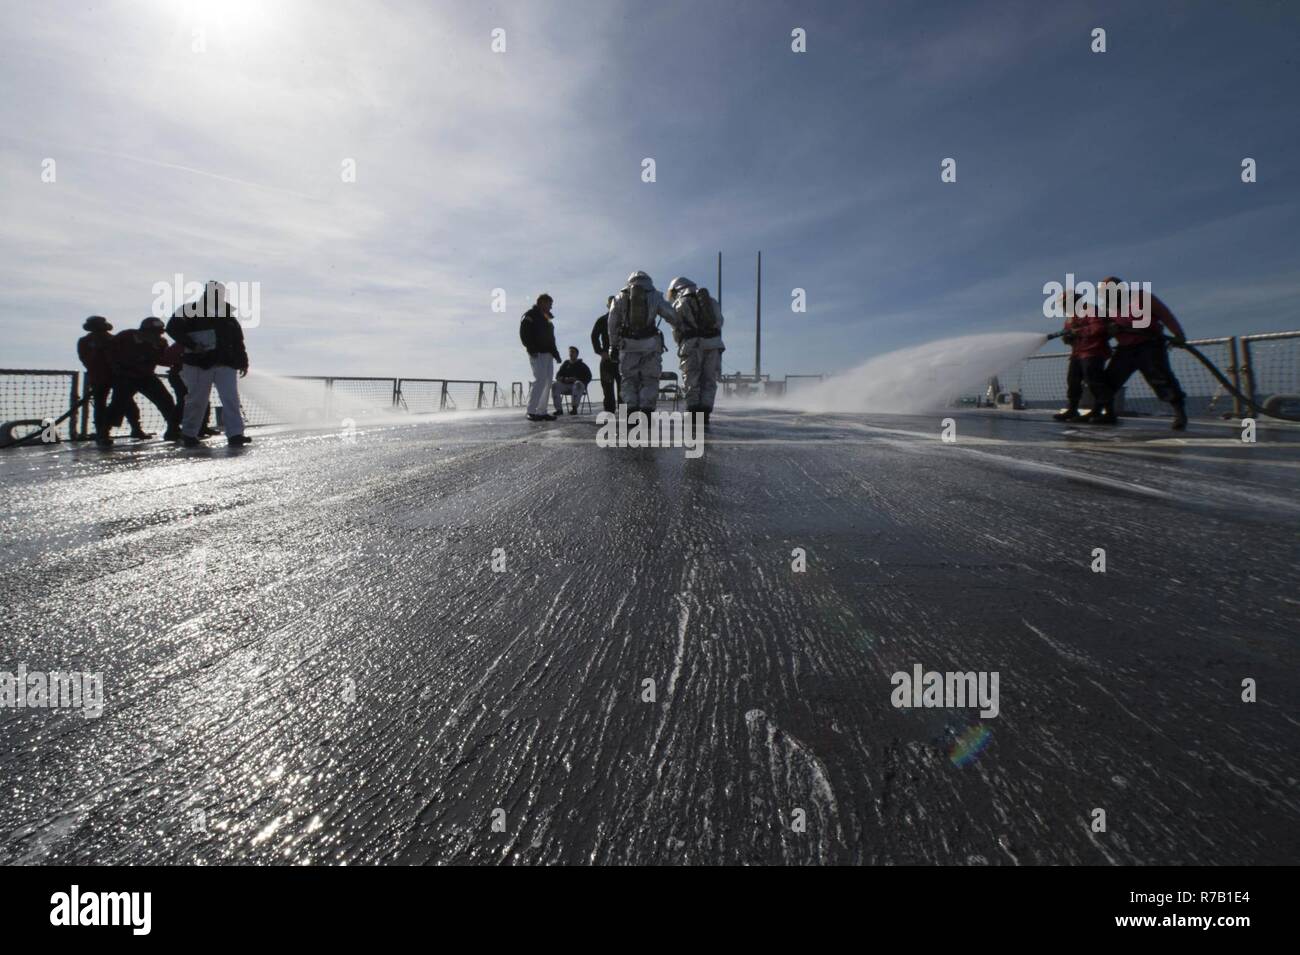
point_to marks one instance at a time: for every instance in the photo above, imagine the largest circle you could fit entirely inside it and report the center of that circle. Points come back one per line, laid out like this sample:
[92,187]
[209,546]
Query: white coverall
[699,358]
[640,360]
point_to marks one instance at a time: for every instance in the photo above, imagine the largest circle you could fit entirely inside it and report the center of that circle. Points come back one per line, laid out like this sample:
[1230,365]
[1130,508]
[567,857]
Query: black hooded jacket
[209,340]
[538,334]
[574,368]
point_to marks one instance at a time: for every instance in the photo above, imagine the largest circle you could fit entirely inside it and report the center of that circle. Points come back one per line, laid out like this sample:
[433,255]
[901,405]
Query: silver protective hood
[679,284]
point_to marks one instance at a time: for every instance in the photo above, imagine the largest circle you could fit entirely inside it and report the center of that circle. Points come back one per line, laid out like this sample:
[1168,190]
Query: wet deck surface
[307,643]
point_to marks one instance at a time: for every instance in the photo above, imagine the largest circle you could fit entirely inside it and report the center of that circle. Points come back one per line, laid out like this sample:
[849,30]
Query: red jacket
[135,354]
[1090,337]
[1160,319]
[93,350]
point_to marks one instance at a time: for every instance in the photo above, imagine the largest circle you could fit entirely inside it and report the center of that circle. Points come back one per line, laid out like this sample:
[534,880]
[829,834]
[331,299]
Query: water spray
[920,378]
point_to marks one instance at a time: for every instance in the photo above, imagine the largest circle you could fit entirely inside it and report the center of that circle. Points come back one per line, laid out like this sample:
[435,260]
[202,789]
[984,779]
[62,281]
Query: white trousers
[543,371]
[198,391]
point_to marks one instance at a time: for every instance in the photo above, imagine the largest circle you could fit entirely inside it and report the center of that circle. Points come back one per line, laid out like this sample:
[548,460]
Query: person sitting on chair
[572,379]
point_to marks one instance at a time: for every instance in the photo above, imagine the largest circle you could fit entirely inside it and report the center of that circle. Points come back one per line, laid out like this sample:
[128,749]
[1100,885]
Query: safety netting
[39,396]
[1274,363]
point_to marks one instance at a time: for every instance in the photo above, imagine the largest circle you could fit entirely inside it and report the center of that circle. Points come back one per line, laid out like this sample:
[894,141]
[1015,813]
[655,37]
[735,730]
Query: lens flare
[969,745]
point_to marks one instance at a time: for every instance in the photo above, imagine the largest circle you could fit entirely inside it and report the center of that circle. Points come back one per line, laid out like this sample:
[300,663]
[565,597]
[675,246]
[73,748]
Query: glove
[1178,338]
[1068,338]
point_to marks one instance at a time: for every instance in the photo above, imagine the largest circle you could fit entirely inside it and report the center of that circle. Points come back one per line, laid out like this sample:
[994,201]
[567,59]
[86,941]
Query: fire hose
[7,440]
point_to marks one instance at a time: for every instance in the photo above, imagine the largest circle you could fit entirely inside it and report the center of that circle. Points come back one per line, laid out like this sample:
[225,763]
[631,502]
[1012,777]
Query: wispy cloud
[477,170]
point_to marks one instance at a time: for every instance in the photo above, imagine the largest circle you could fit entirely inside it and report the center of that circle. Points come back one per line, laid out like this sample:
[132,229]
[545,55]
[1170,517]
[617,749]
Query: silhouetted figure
[135,353]
[93,350]
[213,356]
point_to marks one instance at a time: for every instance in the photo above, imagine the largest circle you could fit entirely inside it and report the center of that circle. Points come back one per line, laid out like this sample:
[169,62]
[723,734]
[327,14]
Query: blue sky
[522,170]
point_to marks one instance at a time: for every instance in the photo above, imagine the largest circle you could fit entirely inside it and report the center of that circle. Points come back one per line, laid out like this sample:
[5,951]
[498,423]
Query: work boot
[1104,416]
[1180,418]
[104,440]
[1066,414]
[238,440]
[206,432]
[141,433]
[537,417]
[171,434]
[189,442]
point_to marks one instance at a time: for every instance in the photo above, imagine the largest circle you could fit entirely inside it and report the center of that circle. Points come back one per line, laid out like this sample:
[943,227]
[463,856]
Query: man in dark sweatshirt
[608,359]
[572,379]
[538,336]
[134,354]
[214,354]
[93,349]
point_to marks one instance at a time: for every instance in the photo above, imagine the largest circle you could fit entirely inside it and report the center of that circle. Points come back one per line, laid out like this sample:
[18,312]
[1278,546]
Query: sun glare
[227,15]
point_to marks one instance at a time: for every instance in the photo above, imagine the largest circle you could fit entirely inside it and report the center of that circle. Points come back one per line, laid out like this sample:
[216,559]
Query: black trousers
[124,392]
[609,385]
[1152,359]
[99,396]
[1090,371]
